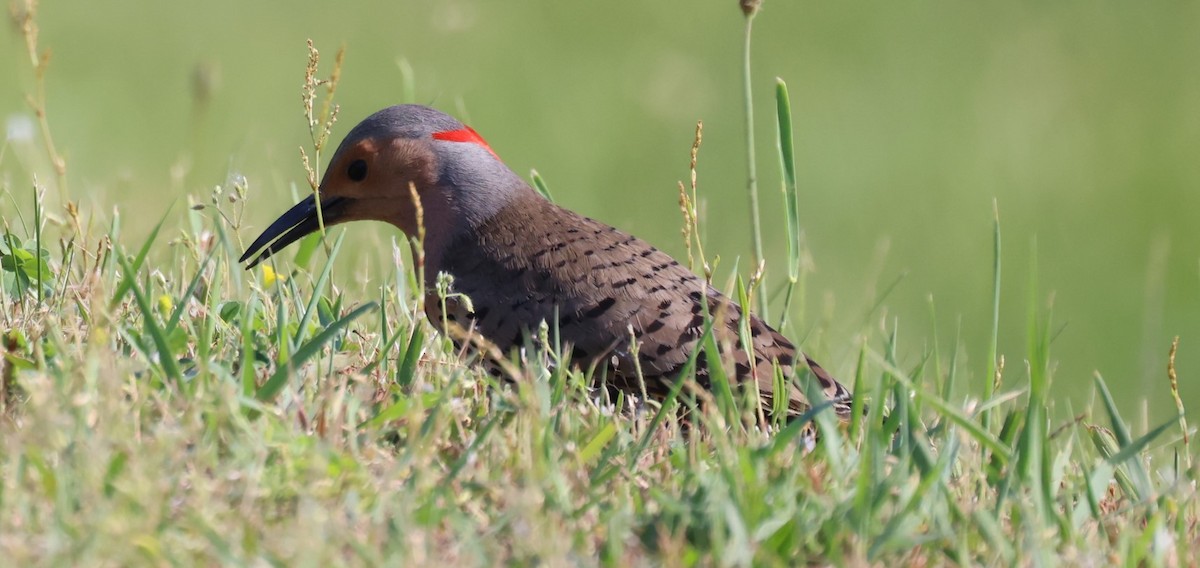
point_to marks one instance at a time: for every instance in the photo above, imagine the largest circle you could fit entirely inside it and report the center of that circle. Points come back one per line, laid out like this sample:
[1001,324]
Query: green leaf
[229,310]
[116,466]
[540,185]
[324,311]
[787,161]
[389,413]
[308,245]
[601,439]
[407,368]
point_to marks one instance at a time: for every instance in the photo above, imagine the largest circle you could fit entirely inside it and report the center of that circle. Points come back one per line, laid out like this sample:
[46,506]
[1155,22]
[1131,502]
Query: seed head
[750,7]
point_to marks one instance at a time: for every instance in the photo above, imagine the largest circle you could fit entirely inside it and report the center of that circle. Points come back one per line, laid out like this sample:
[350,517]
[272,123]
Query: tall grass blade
[322,280]
[131,269]
[791,209]
[993,343]
[181,305]
[166,359]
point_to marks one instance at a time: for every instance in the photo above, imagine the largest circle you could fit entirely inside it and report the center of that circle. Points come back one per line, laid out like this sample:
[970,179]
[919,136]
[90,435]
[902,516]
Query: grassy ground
[182,411]
[163,406]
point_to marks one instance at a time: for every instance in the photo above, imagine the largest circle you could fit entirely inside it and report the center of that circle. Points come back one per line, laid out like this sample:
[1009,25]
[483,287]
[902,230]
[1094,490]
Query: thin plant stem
[25,18]
[751,170]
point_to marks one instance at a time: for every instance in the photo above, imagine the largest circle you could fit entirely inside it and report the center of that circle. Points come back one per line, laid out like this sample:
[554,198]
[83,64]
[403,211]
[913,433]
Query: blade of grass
[791,209]
[540,185]
[311,308]
[407,371]
[181,305]
[993,343]
[249,309]
[166,359]
[272,387]
[1135,447]
[131,269]
[984,437]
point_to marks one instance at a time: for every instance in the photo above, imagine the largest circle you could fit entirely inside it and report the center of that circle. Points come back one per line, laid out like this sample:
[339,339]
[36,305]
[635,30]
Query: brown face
[371,179]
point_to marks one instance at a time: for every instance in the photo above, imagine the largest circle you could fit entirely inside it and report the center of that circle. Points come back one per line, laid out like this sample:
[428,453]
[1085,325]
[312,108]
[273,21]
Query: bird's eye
[357,170]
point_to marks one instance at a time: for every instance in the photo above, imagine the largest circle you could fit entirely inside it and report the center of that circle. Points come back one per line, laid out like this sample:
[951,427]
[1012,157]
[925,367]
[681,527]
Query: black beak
[292,226]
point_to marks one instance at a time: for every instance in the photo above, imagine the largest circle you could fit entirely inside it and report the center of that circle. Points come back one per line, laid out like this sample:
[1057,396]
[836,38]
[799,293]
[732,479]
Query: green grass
[163,406]
[186,412]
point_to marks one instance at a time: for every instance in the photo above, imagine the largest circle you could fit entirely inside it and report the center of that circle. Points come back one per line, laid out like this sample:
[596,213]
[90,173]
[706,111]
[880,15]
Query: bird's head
[407,165]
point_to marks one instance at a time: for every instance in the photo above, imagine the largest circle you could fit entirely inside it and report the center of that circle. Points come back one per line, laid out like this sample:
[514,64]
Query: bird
[523,261]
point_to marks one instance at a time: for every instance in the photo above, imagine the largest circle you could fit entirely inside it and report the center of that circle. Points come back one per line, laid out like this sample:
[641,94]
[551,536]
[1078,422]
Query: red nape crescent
[464,134]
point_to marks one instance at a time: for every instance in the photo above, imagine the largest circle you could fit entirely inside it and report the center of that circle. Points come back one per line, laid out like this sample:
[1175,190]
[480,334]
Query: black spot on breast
[694,295]
[663,349]
[600,308]
[624,283]
[664,305]
[688,335]
[655,326]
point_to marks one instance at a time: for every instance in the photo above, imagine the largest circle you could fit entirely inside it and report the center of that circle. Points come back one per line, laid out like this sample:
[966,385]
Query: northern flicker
[522,260]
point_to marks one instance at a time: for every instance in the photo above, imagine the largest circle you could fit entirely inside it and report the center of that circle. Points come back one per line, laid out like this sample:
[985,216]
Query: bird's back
[534,261]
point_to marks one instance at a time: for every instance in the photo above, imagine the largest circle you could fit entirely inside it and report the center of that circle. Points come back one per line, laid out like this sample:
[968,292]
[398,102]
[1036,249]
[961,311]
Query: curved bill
[295,224]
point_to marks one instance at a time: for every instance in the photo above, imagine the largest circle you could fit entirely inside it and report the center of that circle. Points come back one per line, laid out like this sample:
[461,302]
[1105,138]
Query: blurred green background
[1081,119]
